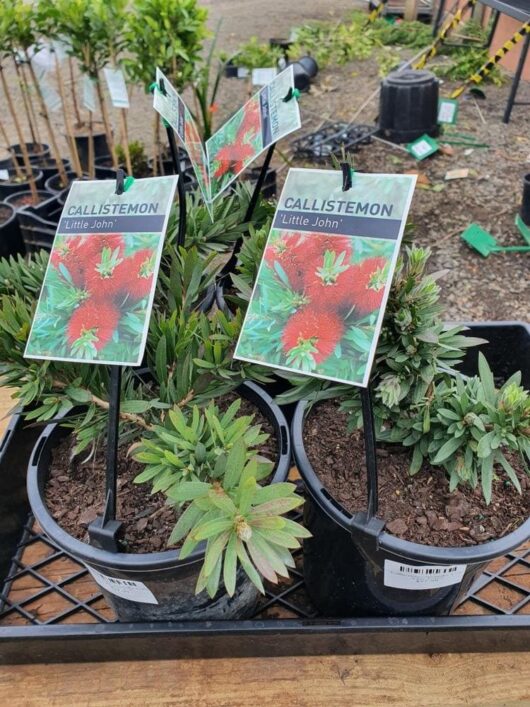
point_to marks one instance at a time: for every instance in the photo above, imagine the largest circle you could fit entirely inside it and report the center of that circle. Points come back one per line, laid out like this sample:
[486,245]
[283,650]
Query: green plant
[139,161]
[255,55]
[207,463]
[470,429]
[205,87]
[164,33]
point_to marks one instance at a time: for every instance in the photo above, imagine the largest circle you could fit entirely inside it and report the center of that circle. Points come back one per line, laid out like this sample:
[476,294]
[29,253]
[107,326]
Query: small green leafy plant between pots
[208,465]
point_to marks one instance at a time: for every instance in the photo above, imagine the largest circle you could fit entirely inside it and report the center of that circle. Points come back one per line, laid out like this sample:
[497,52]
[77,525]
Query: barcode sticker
[402,576]
[124,588]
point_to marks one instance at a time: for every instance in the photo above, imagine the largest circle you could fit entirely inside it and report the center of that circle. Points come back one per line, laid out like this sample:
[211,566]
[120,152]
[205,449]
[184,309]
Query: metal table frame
[512,8]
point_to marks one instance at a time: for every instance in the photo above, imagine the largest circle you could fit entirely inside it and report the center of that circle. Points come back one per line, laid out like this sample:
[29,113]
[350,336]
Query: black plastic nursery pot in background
[346,559]
[54,184]
[14,183]
[49,167]
[408,105]
[38,224]
[101,148]
[10,236]
[23,198]
[37,152]
[165,584]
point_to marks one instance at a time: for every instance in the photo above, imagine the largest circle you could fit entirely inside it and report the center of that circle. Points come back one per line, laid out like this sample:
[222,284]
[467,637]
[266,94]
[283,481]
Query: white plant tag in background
[261,77]
[124,588]
[418,577]
[50,96]
[4,174]
[89,93]
[242,72]
[117,87]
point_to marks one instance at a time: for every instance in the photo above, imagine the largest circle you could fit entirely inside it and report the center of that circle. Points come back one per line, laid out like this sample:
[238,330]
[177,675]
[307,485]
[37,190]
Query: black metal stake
[231,263]
[516,80]
[104,529]
[370,451]
[175,158]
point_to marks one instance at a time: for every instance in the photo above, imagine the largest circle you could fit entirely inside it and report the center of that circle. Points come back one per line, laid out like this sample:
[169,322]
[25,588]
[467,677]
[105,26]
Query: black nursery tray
[51,610]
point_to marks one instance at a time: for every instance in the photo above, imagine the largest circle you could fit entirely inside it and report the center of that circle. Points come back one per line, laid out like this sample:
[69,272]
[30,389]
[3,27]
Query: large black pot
[346,560]
[10,237]
[49,167]
[14,199]
[7,187]
[37,152]
[101,148]
[163,575]
[54,185]
[408,105]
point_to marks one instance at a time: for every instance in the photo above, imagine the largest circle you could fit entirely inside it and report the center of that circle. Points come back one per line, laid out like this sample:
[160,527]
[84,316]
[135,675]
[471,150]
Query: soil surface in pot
[26,199]
[74,494]
[417,508]
[5,213]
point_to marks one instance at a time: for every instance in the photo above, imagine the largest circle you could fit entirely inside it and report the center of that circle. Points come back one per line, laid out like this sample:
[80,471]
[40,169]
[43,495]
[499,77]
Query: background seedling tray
[51,610]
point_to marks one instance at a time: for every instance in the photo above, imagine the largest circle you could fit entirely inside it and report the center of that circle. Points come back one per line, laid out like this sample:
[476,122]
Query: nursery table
[518,10]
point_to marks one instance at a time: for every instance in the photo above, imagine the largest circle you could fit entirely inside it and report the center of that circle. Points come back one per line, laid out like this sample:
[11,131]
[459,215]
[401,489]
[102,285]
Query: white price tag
[261,77]
[4,174]
[421,148]
[124,588]
[89,93]
[402,576]
[242,72]
[117,87]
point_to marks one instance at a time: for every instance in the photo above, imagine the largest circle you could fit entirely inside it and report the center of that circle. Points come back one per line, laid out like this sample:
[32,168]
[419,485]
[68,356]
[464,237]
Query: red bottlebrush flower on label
[251,121]
[139,270]
[68,254]
[91,247]
[232,158]
[291,253]
[92,325]
[311,335]
[367,285]
[318,244]
[103,278]
[327,284]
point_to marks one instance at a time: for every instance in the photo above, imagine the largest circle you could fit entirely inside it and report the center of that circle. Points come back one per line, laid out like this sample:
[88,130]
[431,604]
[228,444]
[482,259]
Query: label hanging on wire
[419,577]
[89,93]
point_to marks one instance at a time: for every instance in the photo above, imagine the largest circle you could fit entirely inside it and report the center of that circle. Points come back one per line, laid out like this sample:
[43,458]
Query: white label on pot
[117,87]
[242,72]
[261,77]
[50,96]
[402,576]
[4,174]
[124,588]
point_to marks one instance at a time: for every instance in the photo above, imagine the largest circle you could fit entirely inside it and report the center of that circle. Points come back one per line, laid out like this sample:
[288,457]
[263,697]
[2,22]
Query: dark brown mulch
[417,508]
[74,494]
[5,213]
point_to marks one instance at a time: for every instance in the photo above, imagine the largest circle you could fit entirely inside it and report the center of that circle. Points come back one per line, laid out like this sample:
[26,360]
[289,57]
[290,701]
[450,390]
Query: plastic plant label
[50,96]
[320,294]
[98,289]
[447,111]
[261,77]
[264,119]
[89,94]
[242,72]
[418,577]
[117,87]
[4,174]
[423,147]
[124,588]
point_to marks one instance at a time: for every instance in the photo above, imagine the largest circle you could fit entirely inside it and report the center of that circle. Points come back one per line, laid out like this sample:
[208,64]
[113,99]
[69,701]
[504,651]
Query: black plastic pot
[101,148]
[302,80]
[170,579]
[10,237]
[346,559]
[38,224]
[49,168]
[37,152]
[7,187]
[7,163]
[525,206]
[14,199]
[54,185]
[310,66]
[231,70]
[408,105]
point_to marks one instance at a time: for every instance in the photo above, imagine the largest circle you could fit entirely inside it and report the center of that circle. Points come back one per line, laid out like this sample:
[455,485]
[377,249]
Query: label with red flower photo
[320,294]
[96,298]
[264,119]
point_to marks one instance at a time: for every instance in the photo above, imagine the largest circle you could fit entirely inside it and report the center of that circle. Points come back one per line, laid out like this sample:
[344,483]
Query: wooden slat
[451,679]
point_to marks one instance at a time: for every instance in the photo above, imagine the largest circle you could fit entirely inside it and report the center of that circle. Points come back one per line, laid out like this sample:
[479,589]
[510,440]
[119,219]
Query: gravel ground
[474,288]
